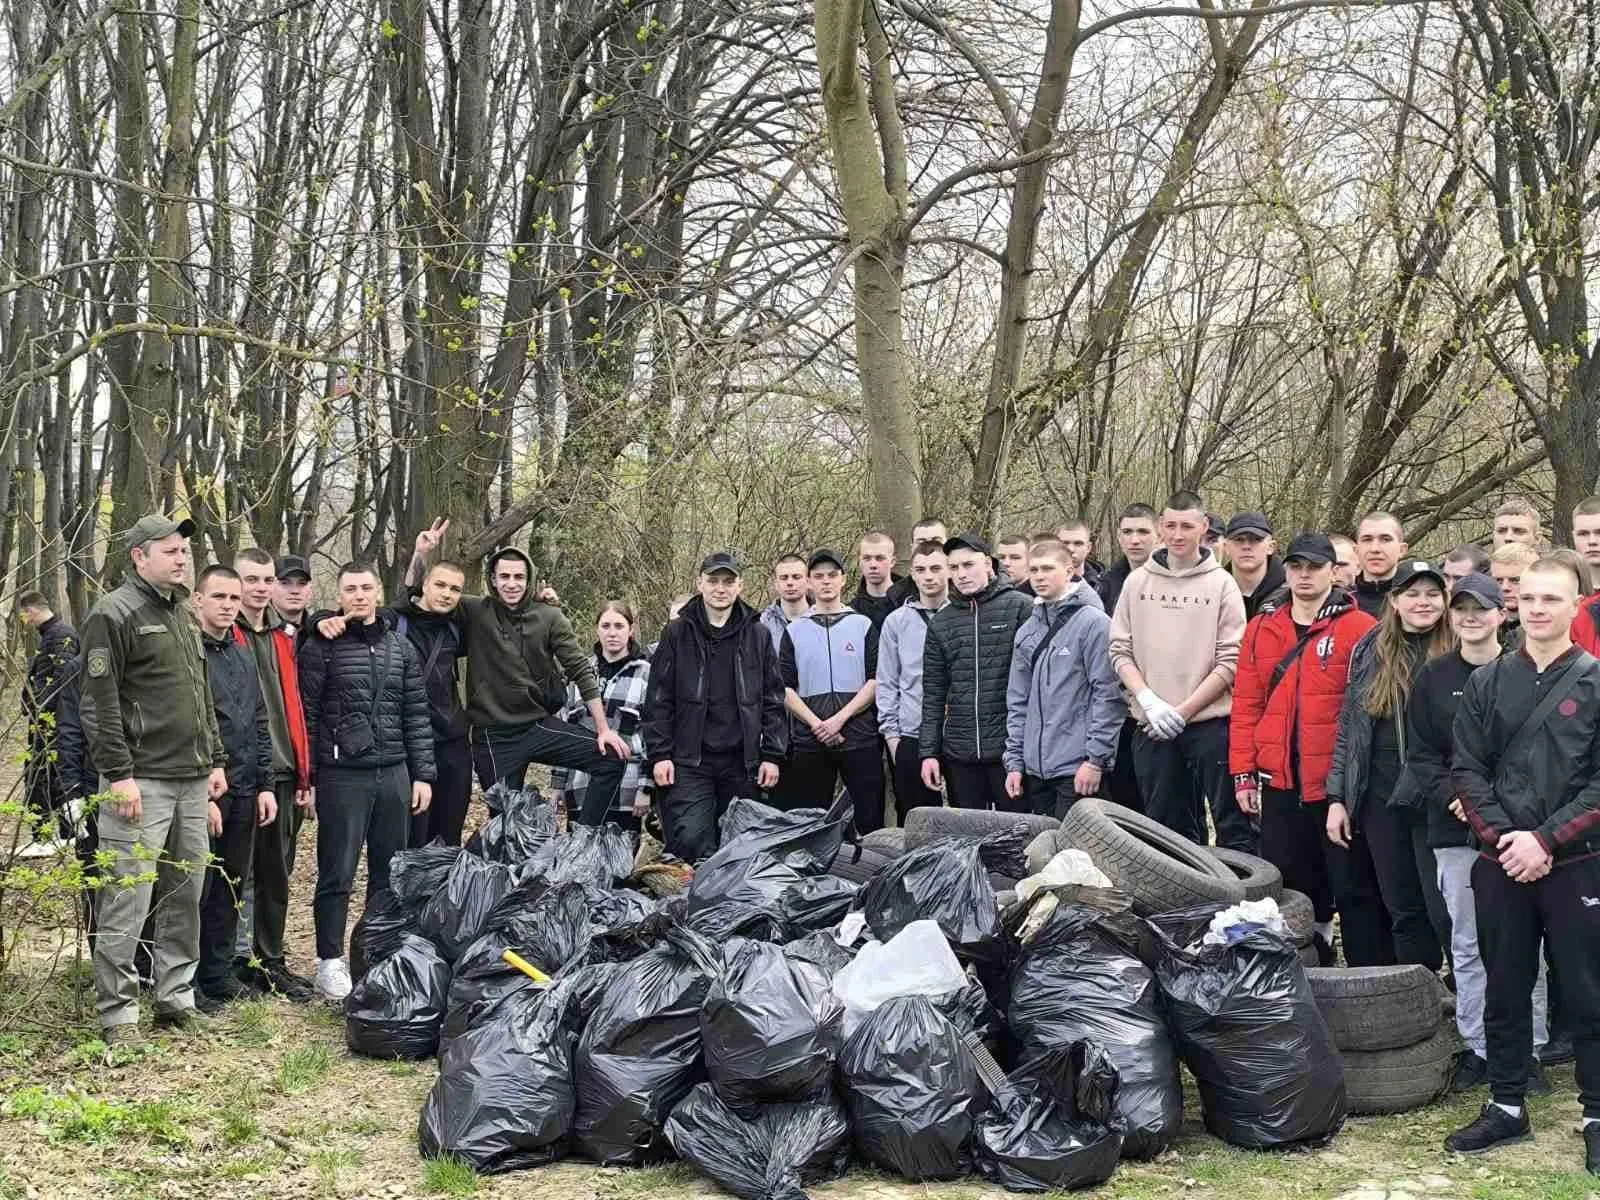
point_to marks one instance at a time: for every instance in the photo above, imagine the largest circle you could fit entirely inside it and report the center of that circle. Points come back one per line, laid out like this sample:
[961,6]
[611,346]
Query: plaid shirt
[623,695]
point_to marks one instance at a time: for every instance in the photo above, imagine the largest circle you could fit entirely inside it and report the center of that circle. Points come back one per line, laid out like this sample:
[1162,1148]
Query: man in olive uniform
[152,736]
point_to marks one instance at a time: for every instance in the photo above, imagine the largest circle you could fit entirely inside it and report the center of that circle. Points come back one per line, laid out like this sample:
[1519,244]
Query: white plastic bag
[1067,867]
[917,961]
[1236,922]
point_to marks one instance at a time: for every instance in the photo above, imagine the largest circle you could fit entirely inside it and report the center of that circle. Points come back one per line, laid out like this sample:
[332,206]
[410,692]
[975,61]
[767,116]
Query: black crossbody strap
[1282,669]
[1061,619]
[1541,713]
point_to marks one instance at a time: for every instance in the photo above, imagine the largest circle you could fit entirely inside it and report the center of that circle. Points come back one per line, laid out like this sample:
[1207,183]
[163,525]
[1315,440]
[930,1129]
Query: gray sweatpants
[1455,883]
[160,861]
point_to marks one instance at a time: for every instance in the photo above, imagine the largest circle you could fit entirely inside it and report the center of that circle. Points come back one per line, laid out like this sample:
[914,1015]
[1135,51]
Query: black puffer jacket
[337,677]
[966,665]
[1352,752]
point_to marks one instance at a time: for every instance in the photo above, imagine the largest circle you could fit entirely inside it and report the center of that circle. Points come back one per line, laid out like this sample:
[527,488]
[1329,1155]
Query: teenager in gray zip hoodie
[899,700]
[1064,707]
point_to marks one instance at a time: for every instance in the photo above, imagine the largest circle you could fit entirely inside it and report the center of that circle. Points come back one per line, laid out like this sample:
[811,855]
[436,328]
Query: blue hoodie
[1069,709]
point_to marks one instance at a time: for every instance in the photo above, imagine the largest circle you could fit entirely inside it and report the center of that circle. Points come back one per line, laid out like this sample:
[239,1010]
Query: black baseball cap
[293,564]
[1309,547]
[1480,587]
[721,560]
[968,541]
[1214,525]
[819,557]
[152,527]
[1250,522]
[1414,569]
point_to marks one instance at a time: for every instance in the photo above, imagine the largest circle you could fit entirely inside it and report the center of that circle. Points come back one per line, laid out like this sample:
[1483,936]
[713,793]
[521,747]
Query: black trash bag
[943,882]
[737,874]
[818,902]
[723,922]
[771,1156]
[459,911]
[504,1098]
[1247,1026]
[770,1028]
[520,823]
[804,839]
[378,934]
[415,875]
[397,1008]
[912,1090]
[640,1051]
[601,855]
[1077,978]
[621,936]
[969,1010]
[821,950]
[548,926]
[1047,1129]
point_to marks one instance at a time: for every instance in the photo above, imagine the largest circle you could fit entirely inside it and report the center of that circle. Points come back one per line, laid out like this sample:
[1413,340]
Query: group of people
[1412,743]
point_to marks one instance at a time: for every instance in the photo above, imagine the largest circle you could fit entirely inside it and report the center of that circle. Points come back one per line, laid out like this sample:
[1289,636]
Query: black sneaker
[184,1020]
[252,978]
[1494,1127]
[287,984]
[1558,1050]
[1538,1081]
[1325,954]
[1591,1149]
[1470,1071]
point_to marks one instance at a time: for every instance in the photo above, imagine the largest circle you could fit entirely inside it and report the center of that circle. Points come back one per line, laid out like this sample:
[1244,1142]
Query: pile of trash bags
[773,1024]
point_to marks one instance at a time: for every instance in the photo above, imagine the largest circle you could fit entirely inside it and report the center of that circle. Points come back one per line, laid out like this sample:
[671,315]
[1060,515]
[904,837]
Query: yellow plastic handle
[527,968]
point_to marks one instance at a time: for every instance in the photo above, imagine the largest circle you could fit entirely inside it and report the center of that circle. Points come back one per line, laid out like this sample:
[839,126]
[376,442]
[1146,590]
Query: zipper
[1293,759]
[977,724]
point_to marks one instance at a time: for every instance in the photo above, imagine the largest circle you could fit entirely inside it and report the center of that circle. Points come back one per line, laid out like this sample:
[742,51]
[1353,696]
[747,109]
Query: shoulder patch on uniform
[99,663]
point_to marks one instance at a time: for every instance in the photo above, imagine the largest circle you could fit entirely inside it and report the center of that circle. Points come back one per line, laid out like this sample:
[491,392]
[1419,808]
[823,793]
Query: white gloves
[1164,721]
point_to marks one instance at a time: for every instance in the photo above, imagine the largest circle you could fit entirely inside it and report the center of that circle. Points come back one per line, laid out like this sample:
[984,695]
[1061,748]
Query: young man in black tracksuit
[1527,768]
[828,661]
[249,802]
[966,668]
[367,717]
[714,725]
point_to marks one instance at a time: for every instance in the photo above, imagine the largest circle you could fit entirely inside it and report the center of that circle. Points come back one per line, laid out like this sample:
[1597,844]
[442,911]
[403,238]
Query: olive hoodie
[520,658]
[1177,625]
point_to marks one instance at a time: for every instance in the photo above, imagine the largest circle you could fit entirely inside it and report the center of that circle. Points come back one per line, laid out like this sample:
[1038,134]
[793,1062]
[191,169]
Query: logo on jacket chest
[1176,599]
[1325,646]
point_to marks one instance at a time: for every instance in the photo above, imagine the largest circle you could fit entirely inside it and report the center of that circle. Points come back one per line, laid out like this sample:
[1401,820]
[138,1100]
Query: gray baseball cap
[152,527]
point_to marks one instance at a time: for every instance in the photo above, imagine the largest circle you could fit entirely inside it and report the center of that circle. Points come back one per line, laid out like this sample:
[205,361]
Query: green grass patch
[330,1166]
[448,1177]
[262,1165]
[302,1068]
[367,1124]
[75,1116]
[255,1023]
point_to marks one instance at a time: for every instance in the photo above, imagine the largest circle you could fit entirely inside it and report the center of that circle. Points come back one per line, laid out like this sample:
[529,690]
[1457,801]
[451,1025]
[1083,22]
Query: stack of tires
[878,849]
[1392,1032]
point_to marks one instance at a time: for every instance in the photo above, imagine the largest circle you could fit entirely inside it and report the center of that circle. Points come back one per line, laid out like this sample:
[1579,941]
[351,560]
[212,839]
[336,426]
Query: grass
[448,1177]
[238,1114]
[302,1068]
[255,1023]
[330,1166]
[75,1116]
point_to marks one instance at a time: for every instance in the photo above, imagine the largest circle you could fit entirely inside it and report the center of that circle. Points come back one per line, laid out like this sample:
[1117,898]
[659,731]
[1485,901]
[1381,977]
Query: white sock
[1325,928]
[1513,1110]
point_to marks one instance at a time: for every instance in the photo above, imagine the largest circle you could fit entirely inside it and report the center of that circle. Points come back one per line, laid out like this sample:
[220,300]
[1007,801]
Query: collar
[151,592]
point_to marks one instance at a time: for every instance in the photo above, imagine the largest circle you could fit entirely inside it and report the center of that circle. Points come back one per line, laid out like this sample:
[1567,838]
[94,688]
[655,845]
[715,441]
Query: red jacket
[1585,629]
[289,675]
[1289,736]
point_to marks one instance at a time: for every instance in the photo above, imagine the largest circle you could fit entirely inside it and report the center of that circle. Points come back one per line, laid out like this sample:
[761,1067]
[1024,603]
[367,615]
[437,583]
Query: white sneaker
[45,848]
[333,979]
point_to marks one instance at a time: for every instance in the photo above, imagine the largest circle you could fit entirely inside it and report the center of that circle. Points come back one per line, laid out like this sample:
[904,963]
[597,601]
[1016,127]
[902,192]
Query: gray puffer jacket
[966,668]
[1063,706]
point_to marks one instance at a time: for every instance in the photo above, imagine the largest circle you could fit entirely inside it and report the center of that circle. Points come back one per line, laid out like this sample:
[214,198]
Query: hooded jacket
[368,670]
[241,713]
[146,707]
[51,688]
[966,669]
[1351,772]
[827,658]
[775,621]
[1551,786]
[1271,584]
[1371,594]
[1287,732]
[675,703]
[520,658]
[1063,703]
[900,647]
[1178,625]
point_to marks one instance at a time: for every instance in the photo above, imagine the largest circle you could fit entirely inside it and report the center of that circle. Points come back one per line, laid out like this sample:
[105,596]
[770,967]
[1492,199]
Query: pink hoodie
[1177,625]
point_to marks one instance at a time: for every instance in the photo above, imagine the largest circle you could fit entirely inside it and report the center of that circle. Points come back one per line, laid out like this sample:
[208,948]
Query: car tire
[1308,956]
[1042,849]
[1370,1009]
[1159,870]
[1396,1081]
[860,868]
[929,824]
[1298,915]
[885,841]
[1260,878]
